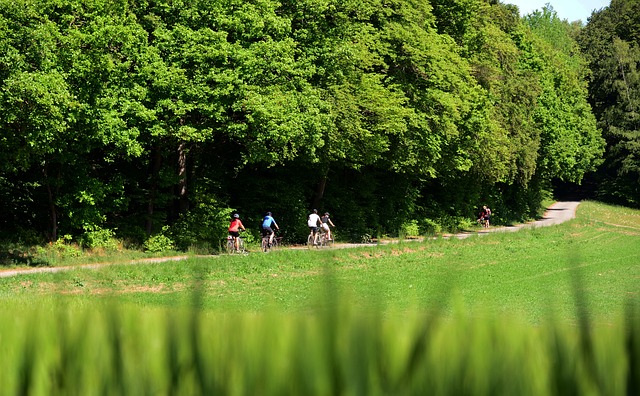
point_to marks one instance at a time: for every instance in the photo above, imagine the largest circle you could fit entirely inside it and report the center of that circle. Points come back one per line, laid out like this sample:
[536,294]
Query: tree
[571,144]
[140,114]
[610,44]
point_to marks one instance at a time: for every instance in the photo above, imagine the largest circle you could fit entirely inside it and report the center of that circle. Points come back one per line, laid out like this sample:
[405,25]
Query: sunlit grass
[550,311]
[120,349]
[530,273]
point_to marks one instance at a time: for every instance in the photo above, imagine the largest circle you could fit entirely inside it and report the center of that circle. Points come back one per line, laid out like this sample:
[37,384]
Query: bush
[100,238]
[455,224]
[250,236]
[207,224]
[430,227]
[159,243]
[465,223]
[410,229]
[51,253]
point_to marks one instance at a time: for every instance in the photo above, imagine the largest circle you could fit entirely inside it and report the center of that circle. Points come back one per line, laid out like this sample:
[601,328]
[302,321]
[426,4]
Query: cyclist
[325,224]
[484,216]
[487,215]
[234,230]
[313,222]
[267,222]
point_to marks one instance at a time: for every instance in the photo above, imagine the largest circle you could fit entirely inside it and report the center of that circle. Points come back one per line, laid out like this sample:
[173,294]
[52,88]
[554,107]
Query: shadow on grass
[16,255]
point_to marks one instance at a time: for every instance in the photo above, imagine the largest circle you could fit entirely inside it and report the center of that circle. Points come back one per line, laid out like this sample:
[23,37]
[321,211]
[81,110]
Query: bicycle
[231,246]
[265,243]
[323,239]
[484,223]
[311,241]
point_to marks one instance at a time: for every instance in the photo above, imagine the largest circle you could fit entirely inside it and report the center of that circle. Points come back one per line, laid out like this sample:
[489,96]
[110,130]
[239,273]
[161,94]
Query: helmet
[326,213]
[236,216]
[315,211]
[268,213]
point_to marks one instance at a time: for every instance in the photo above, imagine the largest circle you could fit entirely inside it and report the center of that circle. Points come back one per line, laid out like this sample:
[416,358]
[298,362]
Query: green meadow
[551,310]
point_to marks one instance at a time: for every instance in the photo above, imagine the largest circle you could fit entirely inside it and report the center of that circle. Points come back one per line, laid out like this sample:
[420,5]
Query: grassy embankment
[534,312]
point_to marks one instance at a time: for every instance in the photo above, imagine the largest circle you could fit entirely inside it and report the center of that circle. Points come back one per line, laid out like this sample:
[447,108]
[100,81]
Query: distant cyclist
[326,221]
[313,222]
[234,230]
[267,222]
[485,216]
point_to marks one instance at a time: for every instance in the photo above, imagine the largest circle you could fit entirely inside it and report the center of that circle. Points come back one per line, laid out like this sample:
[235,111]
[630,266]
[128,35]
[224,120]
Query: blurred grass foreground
[123,350]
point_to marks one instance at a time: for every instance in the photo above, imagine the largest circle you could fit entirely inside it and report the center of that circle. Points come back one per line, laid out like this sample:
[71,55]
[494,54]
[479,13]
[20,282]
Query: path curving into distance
[557,213]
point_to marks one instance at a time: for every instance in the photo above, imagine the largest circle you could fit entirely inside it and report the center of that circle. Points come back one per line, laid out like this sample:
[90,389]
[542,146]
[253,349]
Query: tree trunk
[156,162]
[182,174]
[53,212]
[317,197]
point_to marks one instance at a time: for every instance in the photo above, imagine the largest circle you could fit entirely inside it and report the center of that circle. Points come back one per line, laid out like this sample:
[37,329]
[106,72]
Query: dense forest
[132,118]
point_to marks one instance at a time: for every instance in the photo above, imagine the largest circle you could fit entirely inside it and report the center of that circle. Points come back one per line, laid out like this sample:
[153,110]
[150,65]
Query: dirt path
[557,213]
[20,271]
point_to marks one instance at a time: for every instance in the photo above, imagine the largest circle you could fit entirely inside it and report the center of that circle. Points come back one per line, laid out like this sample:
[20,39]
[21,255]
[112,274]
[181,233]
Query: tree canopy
[611,45]
[134,115]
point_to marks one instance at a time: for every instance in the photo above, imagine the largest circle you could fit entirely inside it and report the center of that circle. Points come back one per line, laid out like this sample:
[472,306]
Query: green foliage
[430,227]
[132,116]
[415,316]
[402,353]
[410,229]
[100,238]
[53,253]
[571,144]
[251,237]
[610,44]
[457,223]
[159,242]
[208,222]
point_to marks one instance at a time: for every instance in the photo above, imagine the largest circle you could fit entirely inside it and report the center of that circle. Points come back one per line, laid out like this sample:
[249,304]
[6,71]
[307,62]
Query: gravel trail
[557,213]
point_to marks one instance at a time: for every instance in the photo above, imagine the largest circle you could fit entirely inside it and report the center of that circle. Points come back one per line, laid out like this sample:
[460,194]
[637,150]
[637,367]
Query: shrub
[159,243]
[410,229]
[430,227]
[250,236]
[455,223]
[51,253]
[99,238]
[206,223]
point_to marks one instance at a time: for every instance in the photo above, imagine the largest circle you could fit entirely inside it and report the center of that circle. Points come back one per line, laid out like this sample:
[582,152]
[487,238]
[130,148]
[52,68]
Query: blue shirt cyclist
[267,222]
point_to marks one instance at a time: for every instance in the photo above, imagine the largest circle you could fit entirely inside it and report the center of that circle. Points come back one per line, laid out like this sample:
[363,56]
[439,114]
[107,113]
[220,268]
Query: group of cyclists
[315,223]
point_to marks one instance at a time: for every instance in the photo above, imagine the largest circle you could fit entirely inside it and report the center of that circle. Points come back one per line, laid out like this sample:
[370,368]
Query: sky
[566,9]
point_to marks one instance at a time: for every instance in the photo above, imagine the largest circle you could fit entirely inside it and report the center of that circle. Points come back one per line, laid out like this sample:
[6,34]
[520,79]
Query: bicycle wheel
[230,246]
[329,242]
[310,241]
[274,244]
[240,245]
[265,244]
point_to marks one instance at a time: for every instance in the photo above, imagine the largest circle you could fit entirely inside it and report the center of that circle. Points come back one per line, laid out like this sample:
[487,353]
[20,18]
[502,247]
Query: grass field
[531,274]
[552,310]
